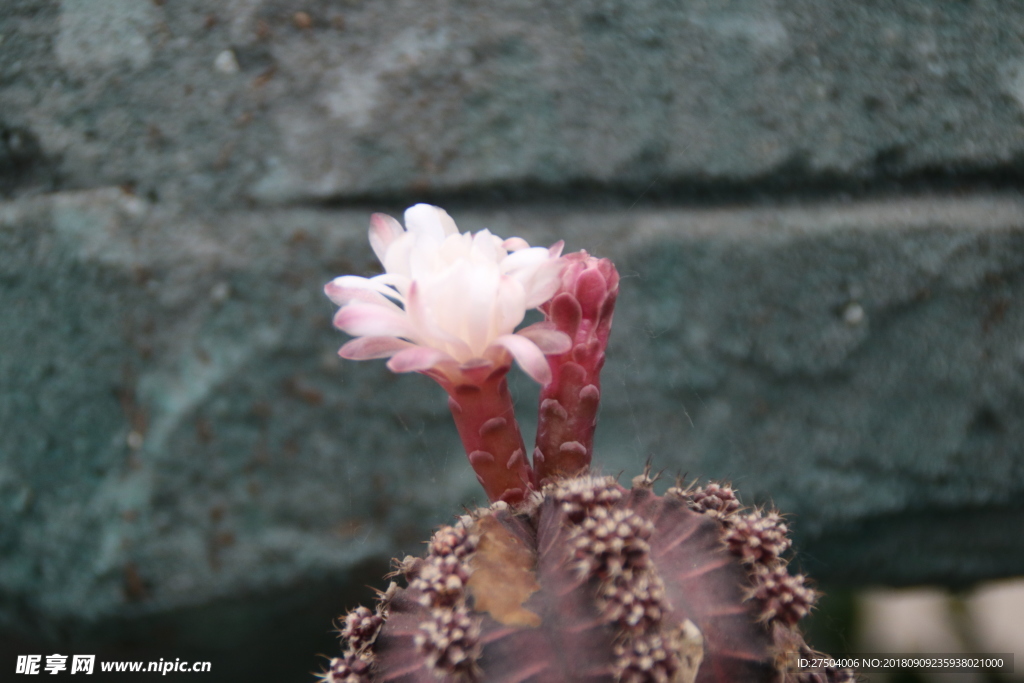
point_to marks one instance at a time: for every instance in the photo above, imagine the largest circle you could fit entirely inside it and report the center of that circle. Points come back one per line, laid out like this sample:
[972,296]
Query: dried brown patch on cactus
[503,575]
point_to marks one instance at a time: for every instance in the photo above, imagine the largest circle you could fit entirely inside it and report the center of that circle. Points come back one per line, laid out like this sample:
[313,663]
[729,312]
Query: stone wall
[814,206]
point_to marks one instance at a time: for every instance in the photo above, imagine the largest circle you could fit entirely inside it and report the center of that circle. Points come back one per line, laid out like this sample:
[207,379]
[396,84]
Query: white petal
[430,221]
[455,248]
[399,254]
[510,309]
[383,231]
[525,259]
[487,248]
[399,283]
[416,358]
[368,320]
[430,328]
[347,288]
[549,340]
[515,244]
[447,222]
[472,303]
[528,355]
[543,283]
[367,348]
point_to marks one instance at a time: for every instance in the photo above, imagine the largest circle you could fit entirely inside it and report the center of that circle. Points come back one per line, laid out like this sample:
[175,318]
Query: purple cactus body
[588,581]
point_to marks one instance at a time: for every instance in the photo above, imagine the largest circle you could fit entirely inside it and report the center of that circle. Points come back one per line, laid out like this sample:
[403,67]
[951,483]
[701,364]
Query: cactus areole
[566,576]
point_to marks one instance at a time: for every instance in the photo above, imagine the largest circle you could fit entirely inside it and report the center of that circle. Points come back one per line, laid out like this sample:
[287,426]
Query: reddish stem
[582,309]
[481,404]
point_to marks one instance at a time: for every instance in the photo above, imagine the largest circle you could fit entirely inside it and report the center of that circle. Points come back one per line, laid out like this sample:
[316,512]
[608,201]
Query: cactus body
[589,581]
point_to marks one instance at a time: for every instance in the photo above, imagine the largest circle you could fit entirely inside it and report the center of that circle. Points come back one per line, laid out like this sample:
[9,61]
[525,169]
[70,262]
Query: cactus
[566,576]
[590,581]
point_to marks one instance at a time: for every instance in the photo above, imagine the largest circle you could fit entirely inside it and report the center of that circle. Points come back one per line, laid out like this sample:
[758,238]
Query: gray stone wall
[814,207]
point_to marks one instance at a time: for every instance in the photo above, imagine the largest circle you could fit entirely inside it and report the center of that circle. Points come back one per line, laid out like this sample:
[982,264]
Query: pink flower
[449,302]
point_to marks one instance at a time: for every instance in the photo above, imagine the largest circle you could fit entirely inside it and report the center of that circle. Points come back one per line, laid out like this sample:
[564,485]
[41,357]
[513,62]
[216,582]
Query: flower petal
[527,259]
[368,348]
[430,221]
[515,244]
[528,355]
[510,308]
[549,340]
[397,259]
[347,288]
[456,293]
[396,282]
[543,283]
[369,320]
[383,231]
[425,322]
[416,359]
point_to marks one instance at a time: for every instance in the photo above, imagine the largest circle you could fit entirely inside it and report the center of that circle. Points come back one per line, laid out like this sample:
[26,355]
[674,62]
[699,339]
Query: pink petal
[416,359]
[549,340]
[383,231]
[556,249]
[529,356]
[368,348]
[367,320]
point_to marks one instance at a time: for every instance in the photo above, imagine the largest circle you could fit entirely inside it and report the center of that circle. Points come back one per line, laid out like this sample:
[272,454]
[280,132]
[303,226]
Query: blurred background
[815,206]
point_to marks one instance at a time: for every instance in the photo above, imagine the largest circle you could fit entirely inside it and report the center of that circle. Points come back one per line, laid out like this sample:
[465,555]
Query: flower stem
[485,417]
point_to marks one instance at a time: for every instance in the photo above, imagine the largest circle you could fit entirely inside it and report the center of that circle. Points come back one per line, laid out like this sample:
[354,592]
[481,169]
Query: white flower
[448,300]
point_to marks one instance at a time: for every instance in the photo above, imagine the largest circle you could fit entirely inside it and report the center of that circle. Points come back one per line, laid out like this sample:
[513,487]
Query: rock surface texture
[180,178]
[286,102]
